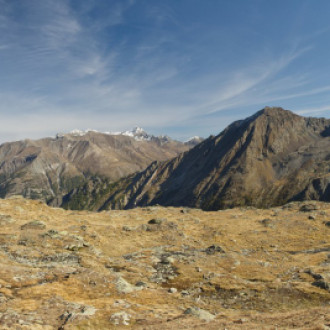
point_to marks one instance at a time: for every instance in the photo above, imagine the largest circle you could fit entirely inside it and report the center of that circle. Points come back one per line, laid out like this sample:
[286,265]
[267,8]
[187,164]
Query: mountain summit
[270,158]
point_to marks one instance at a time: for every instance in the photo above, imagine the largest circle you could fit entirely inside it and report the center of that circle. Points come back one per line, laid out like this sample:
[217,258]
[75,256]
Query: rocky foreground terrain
[164,268]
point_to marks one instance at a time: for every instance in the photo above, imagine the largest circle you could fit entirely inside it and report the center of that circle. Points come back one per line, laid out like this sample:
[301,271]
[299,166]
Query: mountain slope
[267,159]
[49,168]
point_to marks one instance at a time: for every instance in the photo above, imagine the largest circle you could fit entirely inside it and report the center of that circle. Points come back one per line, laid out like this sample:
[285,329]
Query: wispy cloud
[95,64]
[245,82]
[315,110]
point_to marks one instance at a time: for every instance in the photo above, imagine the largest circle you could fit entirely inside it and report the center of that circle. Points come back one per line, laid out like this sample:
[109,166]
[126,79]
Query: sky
[175,67]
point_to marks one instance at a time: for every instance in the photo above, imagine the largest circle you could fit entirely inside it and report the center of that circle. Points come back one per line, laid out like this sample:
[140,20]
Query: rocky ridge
[268,159]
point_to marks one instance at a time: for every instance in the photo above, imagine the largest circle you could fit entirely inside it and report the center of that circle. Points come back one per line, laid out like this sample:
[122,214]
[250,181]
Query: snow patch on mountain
[138,133]
[194,140]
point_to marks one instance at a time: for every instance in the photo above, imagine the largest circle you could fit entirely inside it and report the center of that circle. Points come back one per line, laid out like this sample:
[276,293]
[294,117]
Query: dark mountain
[268,159]
[50,168]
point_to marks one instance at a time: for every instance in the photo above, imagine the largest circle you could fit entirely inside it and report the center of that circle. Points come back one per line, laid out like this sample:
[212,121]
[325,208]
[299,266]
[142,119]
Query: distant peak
[138,130]
[194,140]
[138,133]
[76,132]
[272,110]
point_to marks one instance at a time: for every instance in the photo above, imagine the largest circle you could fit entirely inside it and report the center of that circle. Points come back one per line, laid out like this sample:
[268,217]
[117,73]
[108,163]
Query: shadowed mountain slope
[268,159]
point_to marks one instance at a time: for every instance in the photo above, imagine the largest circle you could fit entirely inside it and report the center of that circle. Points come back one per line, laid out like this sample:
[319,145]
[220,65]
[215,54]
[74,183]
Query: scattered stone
[314,275]
[35,224]
[51,233]
[62,258]
[311,217]
[155,260]
[157,221]
[74,247]
[240,321]
[167,260]
[267,222]
[327,223]
[119,302]
[213,249]
[164,271]
[120,318]
[141,284]
[88,310]
[123,286]
[309,207]
[127,228]
[172,290]
[322,284]
[65,317]
[200,313]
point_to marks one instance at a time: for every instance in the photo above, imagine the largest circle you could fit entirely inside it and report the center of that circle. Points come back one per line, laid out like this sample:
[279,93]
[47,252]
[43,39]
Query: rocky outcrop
[161,268]
[268,159]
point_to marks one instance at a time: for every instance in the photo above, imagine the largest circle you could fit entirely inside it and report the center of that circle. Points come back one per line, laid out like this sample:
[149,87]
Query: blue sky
[176,67]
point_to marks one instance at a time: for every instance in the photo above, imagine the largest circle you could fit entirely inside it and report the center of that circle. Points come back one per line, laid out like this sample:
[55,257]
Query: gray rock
[167,260]
[157,221]
[200,313]
[141,284]
[309,207]
[120,318]
[35,224]
[123,286]
[267,222]
[322,284]
[128,228]
[213,249]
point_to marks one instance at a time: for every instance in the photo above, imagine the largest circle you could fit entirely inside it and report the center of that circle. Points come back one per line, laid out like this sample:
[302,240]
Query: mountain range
[50,168]
[268,159]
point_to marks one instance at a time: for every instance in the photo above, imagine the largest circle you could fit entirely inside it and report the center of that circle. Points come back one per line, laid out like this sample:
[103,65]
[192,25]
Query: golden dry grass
[68,272]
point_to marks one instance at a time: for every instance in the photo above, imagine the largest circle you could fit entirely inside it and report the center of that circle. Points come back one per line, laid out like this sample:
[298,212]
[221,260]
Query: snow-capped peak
[194,140]
[138,130]
[138,133]
[78,132]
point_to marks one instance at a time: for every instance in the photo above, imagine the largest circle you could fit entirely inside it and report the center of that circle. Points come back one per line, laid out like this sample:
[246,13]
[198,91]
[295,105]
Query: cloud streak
[112,65]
